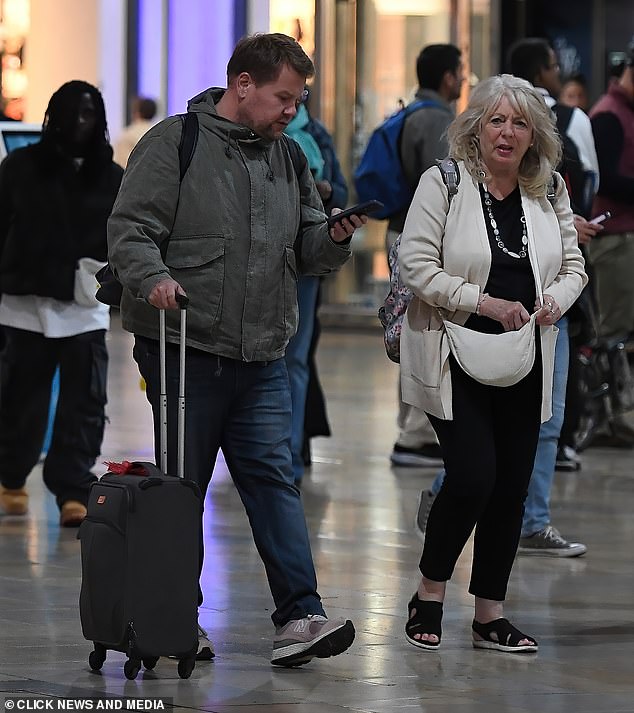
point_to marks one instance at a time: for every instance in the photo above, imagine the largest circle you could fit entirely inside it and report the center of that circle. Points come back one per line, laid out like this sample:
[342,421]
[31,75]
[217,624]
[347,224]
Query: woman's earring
[481,173]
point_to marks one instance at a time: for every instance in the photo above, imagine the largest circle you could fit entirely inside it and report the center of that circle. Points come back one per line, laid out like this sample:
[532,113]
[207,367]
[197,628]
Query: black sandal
[426,620]
[501,635]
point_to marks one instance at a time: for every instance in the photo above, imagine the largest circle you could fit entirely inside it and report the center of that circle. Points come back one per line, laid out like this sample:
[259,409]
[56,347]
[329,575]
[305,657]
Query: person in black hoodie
[55,199]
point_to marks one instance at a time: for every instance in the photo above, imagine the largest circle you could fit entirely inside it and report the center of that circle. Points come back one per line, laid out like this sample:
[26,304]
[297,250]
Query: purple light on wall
[200,42]
[150,49]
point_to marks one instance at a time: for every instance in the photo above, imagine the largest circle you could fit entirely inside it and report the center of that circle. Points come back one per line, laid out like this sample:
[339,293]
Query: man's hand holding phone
[602,217]
[588,229]
[343,223]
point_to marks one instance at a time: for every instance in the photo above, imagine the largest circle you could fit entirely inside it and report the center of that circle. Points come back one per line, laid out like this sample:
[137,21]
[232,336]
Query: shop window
[14,28]
[295,18]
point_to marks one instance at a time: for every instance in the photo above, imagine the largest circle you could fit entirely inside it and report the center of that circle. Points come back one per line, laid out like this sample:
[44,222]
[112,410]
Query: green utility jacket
[240,228]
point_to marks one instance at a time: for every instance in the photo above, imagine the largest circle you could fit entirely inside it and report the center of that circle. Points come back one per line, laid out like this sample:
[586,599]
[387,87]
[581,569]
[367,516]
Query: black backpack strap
[186,149]
[189,139]
[563,115]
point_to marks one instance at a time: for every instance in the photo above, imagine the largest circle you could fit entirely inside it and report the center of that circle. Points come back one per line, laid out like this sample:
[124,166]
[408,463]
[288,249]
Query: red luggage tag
[126,468]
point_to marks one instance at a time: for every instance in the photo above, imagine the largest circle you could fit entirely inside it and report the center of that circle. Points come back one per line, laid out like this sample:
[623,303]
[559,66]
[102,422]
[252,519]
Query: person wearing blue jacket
[309,407]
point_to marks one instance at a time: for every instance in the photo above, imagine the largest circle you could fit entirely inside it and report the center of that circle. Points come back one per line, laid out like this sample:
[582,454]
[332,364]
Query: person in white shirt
[534,59]
[143,113]
[55,199]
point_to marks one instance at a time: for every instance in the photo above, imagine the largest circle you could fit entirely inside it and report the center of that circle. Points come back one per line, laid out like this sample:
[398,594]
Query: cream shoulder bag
[493,359]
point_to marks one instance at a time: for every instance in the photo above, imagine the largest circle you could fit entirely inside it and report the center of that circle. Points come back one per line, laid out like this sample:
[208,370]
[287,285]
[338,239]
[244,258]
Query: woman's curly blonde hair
[542,157]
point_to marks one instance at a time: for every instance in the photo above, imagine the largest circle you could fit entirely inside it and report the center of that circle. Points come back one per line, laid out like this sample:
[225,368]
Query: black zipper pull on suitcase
[140,553]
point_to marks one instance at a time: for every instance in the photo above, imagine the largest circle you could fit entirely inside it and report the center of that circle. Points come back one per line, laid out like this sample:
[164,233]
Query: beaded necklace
[494,226]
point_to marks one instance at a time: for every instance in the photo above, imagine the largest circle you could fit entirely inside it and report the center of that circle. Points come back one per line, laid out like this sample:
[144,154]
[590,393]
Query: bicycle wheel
[592,392]
[620,380]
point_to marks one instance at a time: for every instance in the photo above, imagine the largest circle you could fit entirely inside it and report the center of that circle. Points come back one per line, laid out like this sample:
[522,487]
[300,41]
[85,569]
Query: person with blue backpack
[398,153]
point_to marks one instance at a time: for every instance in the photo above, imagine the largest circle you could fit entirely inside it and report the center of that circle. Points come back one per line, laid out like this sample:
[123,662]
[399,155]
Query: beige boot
[14,501]
[73,513]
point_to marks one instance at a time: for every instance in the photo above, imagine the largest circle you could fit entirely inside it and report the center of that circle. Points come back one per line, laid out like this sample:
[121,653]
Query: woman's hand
[549,313]
[511,315]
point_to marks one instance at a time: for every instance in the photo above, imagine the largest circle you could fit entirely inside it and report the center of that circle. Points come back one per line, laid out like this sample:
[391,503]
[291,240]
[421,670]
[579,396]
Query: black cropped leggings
[489,448]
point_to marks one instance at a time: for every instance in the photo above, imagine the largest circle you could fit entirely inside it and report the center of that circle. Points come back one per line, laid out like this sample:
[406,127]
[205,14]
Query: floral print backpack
[392,311]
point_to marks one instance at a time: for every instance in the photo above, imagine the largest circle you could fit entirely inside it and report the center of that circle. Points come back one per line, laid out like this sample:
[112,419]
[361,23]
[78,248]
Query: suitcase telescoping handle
[183,301]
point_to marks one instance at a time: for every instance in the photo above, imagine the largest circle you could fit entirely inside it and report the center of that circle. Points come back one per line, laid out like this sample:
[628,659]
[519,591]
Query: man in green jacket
[233,236]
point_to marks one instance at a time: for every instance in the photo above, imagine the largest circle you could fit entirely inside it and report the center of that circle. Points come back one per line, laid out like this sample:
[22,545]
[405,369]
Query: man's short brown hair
[263,56]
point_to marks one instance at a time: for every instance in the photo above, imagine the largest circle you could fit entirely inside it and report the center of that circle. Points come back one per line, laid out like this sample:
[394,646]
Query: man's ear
[447,81]
[243,82]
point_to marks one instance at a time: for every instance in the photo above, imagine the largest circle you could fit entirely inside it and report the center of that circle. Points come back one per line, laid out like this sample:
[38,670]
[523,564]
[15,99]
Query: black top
[510,278]
[51,215]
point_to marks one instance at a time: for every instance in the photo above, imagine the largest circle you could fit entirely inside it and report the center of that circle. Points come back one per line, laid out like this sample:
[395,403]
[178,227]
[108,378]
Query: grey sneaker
[549,543]
[205,647]
[300,640]
[425,501]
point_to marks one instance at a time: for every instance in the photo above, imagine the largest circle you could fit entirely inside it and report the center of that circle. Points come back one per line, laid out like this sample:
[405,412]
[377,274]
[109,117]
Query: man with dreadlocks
[55,198]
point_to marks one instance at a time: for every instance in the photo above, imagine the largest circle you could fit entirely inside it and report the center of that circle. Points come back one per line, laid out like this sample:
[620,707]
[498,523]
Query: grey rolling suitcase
[140,555]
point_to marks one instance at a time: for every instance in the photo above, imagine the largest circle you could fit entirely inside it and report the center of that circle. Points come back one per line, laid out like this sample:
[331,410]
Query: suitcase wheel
[185,667]
[97,657]
[131,668]
[150,662]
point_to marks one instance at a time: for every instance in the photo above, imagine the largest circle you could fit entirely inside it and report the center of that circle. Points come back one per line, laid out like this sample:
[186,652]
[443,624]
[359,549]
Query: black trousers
[27,368]
[489,450]
[574,397]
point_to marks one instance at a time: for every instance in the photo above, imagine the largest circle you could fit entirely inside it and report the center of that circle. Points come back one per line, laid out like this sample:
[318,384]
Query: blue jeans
[245,409]
[297,365]
[537,504]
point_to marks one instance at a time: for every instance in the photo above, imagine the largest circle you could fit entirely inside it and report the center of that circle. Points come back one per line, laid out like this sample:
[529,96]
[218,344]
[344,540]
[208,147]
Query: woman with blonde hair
[504,248]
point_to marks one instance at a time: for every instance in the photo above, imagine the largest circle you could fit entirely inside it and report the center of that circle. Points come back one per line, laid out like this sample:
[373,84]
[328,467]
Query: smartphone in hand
[359,209]
[600,218]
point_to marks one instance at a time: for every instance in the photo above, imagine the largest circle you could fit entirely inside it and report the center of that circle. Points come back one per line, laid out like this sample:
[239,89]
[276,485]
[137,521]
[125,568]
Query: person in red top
[612,255]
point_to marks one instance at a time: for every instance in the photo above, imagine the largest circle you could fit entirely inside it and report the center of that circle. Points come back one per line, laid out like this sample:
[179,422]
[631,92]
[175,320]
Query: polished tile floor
[360,514]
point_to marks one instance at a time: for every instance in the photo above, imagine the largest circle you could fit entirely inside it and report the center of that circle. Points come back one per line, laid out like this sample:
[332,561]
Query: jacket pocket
[192,251]
[426,357]
[197,262]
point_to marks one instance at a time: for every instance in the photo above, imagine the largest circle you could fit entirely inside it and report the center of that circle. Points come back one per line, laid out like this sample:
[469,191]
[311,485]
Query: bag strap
[186,149]
[551,190]
[420,104]
[450,173]
[188,142]
[563,116]
[295,153]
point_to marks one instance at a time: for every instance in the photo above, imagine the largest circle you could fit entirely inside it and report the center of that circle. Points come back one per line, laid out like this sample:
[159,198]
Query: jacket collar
[431,95]
[205,104]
